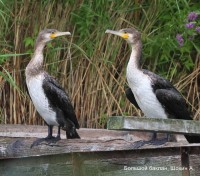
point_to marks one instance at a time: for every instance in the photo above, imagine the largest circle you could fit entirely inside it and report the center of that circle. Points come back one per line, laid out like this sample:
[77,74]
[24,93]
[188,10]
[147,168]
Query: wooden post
[185,161]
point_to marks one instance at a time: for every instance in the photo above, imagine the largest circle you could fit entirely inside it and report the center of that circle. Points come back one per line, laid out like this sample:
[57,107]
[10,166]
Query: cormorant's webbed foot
[153,141]
[49,139]
[139,144]
[159,141]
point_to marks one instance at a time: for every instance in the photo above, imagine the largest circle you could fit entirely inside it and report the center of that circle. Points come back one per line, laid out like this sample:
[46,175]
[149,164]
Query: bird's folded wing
[174,103]
[59,98]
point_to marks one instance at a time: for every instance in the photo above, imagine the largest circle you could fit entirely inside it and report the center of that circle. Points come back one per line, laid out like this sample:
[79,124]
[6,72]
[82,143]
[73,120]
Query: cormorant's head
[49,34]
[131,35]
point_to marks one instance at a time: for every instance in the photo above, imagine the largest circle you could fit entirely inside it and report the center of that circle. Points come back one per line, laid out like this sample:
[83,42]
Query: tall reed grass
[90,64]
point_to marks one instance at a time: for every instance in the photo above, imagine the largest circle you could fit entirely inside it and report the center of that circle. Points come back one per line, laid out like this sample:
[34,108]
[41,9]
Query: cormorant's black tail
[72,133]
[192,139]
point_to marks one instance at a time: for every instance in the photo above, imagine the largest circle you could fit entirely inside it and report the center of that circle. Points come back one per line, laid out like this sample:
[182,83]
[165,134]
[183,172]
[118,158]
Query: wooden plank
[153,162]
[154,125]
[17,139]
[25,131]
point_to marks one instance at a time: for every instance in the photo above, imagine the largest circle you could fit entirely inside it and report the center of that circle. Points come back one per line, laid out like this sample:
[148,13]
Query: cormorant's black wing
[174,103]
[169,97]
[59,99]
[131,97]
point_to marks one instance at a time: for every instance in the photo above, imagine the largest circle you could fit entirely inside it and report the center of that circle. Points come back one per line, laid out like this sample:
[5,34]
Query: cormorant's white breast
[40,100]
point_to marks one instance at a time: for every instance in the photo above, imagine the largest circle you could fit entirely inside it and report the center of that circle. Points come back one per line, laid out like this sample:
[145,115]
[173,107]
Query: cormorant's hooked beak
[119,33]
[57,34]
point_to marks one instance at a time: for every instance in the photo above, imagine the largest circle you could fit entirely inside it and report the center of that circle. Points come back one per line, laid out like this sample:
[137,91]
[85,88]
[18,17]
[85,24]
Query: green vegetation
[90,64]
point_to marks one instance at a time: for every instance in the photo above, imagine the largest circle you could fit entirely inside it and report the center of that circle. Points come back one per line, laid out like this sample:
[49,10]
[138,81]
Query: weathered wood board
[15,141]
[153,124]
[98,152]
[145,162]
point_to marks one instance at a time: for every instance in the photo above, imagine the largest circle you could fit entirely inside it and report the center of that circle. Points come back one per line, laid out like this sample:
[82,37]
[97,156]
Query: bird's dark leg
[58,134]
[49,139]
[152,141]
[50,132]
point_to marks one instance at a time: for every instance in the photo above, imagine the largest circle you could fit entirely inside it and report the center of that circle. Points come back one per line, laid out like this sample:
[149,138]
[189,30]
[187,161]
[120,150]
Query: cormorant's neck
[135,57]
[39,47]
[35,66]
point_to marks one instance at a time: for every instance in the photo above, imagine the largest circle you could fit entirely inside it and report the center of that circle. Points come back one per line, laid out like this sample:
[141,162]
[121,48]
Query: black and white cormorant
[49,98]
[154,95]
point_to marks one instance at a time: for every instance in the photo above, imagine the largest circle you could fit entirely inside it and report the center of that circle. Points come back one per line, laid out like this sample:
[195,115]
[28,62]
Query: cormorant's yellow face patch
[53,35]
[125,36]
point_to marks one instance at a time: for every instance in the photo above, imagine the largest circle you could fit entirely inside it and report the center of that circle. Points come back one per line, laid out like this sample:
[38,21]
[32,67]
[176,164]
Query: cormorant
[154,95]
[49,98]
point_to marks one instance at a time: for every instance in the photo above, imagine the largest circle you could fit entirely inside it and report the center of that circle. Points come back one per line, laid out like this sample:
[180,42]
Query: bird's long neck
[35,66]
[134,72]
[134,61]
